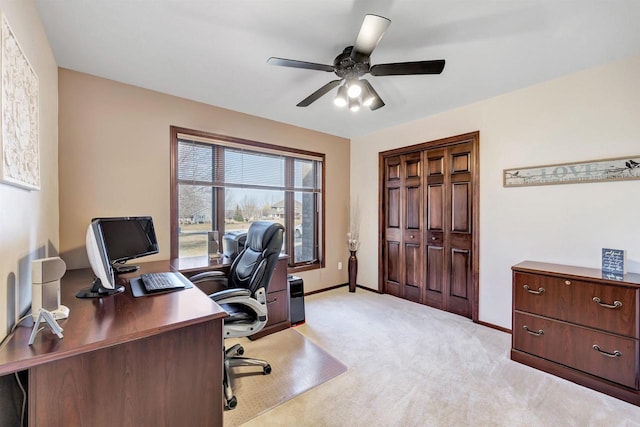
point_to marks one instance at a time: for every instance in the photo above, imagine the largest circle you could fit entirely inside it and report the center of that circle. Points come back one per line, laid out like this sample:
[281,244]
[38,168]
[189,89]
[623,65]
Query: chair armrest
[243,296]
[208,275]
[230,293]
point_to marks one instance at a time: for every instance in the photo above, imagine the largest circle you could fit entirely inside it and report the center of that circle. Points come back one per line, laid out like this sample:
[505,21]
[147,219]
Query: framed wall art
[19,139]
[616,169]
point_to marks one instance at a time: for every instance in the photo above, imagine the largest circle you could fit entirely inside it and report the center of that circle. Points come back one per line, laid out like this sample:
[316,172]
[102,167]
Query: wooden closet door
[412,226]
[436,226]
[392,276]
[428,241]
[449,237]
[403,229]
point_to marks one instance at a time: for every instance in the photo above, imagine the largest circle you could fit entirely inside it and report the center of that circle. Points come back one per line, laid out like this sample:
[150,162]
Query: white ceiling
[215,51]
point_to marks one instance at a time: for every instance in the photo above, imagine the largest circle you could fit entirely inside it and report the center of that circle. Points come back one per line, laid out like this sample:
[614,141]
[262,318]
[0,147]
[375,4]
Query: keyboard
[157,282]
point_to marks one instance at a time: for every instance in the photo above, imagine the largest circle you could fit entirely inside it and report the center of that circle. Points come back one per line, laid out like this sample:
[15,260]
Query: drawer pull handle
[616,304]
[540,291]
[272,301]
[567,282]
[412,236]
[615,353]
[537,334]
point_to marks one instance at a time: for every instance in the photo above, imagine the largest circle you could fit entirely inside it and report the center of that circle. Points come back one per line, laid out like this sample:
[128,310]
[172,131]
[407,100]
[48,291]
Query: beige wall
[590,115]
[114,160]
[29,219]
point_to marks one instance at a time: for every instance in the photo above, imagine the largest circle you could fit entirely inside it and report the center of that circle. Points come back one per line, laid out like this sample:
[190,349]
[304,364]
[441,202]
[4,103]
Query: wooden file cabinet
[277,301]
[573,323]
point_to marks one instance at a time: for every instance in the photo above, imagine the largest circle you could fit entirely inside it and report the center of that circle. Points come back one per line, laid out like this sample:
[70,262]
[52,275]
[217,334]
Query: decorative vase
[353,271]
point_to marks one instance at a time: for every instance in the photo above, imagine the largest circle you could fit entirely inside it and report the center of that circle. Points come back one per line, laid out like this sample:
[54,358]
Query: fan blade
[377,101]
[372,30]
[317,94]
[299,64]
[407,68]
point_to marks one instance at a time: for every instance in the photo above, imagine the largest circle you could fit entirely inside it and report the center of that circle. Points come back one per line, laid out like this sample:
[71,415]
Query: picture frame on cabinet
[613,263]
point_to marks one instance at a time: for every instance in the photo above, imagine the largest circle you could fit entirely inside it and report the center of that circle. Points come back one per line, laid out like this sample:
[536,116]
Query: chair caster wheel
[232,403]
[240,351]
[266,370]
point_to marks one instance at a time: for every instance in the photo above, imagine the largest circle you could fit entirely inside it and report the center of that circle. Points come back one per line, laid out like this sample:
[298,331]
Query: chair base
[232,358]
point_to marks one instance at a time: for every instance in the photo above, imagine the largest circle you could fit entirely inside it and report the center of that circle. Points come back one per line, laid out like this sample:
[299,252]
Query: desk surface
[103,322]
[200,263]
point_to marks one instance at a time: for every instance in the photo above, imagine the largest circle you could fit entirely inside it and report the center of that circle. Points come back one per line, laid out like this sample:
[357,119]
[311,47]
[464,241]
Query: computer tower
[296,299]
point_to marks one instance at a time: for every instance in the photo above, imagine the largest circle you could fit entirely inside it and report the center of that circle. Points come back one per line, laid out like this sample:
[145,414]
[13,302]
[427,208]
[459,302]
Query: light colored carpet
[297,365]
[411,365]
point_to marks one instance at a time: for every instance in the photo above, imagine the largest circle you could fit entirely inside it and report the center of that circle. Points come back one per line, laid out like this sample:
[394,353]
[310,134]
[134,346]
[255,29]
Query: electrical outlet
[339,265]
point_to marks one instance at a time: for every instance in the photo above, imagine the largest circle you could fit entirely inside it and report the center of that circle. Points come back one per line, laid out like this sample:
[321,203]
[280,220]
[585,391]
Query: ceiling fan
[353,63]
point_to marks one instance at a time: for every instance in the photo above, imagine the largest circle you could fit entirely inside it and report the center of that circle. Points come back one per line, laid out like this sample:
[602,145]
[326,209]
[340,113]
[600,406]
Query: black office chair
[245,299]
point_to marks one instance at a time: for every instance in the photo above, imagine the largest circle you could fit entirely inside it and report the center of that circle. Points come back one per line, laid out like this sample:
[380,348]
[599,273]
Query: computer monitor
[104,283]
[127,238]
[115,240]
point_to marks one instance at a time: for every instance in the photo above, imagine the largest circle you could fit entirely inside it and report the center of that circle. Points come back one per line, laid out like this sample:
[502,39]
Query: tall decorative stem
[353,271]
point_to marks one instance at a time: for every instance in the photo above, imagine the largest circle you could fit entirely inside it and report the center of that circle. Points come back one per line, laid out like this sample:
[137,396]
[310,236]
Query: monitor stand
[124,268]
[98,291]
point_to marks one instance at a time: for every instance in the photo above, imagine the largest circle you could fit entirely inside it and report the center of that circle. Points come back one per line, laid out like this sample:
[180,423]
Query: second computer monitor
[127,238]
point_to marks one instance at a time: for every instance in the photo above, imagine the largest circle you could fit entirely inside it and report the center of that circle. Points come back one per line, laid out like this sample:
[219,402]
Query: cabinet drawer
[605,307]
[573,346]
[279,278]
[278,307]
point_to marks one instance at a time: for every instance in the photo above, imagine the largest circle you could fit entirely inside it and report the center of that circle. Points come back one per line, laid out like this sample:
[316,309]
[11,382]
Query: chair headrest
[261,235]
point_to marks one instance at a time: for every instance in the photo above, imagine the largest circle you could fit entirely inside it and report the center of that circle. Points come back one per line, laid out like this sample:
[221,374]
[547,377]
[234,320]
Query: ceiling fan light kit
[354,104]
[341,97]
[353,63]
[367,97]
[353,88]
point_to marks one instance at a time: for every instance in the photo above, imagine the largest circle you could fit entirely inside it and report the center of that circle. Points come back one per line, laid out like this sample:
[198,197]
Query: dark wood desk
[194,265]
[125,361]
[198,264]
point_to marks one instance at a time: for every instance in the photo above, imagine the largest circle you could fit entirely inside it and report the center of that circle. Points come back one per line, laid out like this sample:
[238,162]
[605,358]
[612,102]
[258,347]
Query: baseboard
[364,288]
[492,326]
[325,289]
[340,286]
[375,291]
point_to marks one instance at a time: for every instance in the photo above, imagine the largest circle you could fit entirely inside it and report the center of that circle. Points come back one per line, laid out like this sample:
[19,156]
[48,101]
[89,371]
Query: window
[224,184]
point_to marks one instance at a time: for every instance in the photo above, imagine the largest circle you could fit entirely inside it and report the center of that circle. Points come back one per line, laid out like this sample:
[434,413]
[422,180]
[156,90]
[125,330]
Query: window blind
[227,165]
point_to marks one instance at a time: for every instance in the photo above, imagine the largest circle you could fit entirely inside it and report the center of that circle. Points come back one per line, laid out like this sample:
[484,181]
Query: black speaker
[296,299]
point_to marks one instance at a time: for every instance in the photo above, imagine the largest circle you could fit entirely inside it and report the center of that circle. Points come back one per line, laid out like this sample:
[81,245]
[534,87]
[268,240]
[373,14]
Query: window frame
[218,214]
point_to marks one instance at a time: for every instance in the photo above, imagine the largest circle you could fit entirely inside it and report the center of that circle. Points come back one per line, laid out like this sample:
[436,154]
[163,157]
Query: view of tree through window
[226,186]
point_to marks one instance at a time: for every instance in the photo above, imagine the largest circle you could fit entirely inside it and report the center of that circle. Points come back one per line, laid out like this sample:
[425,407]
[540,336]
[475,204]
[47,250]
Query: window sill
[306,267]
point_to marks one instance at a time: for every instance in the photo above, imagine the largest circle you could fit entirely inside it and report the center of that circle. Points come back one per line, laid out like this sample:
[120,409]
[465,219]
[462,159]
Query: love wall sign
[618,169]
